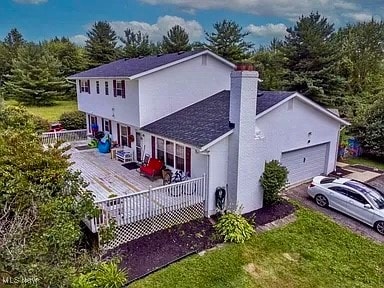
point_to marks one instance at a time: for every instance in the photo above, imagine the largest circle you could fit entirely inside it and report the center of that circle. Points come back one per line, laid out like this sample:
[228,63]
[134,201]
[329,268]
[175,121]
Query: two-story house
[197,113]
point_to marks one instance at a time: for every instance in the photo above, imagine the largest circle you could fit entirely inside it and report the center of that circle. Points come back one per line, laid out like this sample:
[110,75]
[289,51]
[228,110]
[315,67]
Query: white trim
[307,101]
[133,77]
[210,144]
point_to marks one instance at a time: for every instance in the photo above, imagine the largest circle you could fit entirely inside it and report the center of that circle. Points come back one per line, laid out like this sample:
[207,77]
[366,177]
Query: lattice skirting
[148,226]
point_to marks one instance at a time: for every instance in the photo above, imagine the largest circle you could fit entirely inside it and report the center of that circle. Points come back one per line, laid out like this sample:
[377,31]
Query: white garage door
[305,163]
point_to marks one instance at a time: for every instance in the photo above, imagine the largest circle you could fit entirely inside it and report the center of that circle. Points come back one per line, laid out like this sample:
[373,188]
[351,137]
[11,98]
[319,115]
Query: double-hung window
[97,87]
[124,135]
[179,157]
[170,156]
[160,149]
[119,88]
[106,88]
[84,86]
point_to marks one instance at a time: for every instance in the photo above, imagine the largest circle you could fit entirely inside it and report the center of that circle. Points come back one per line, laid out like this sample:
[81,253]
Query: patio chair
[152,169]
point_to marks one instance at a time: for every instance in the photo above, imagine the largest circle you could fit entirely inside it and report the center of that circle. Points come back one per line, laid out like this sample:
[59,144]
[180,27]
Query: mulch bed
[149,253]
[340,172]
[270,213]
[365,168]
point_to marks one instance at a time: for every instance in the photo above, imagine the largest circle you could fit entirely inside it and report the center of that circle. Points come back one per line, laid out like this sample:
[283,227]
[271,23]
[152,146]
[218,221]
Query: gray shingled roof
[207,120]
[133,66]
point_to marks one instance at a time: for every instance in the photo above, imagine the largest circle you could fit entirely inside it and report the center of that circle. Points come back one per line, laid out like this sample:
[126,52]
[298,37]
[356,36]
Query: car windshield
[375,196]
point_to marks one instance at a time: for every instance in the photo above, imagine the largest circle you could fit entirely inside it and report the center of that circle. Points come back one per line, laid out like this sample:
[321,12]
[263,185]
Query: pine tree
[228,41]
[136,44]
[14,40]
[8,51]
[101,44]
[176,40]
[312,59]
[35,77]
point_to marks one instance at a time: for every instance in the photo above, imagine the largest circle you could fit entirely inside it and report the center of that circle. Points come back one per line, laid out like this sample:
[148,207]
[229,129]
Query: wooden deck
[107,176]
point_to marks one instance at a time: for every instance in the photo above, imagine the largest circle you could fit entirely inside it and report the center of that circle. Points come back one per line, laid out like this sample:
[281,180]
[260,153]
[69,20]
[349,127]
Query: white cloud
[160,28]
[342,10]
[268,30]
[359,16]
[78,39]
[30,1]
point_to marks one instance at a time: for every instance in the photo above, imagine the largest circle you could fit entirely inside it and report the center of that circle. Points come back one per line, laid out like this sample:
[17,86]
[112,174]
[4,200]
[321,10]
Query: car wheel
[321,200]
[379,227]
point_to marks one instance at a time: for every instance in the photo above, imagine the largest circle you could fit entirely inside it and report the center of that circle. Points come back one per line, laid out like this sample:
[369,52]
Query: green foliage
[73,120]
[228,41]
[176,40]
[291,256]
[136,44]
[8,52]
[234,227]
[312,59]
[274,178]
[104,275]
[101,44]
[270,63]
[370,130]
[36,77]
[42,202]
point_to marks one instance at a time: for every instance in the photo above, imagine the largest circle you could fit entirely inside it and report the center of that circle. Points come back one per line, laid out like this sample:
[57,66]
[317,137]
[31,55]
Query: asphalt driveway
[299,193]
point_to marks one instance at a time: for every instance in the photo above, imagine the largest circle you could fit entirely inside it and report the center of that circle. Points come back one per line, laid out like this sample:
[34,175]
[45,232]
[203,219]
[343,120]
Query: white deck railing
[63,136]
[149,203]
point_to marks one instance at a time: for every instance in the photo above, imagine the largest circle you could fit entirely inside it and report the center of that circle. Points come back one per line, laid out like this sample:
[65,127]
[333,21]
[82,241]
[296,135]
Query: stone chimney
[242,178]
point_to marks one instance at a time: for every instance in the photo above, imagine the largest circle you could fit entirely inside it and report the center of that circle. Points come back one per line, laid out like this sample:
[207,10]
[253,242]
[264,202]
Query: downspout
[337,146]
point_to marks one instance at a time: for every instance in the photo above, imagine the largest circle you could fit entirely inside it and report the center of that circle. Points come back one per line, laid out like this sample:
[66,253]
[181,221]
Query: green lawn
[365,162]
[51,113]
[311,252]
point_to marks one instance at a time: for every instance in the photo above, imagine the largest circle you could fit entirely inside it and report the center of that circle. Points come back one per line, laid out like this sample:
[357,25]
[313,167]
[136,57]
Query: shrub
[73,120]
[106,274]
[370,129]
[234,228]
[274,178]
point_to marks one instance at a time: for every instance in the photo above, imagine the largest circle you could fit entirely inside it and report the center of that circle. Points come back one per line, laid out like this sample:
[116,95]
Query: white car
[356,199]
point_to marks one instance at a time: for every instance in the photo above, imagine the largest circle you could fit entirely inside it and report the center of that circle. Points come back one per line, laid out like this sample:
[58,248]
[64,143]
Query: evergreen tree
[101,44]
[228,41]
[136,44]
[270,62]
[8,51]
[176,40]
[35,77]
[312,59]
[14,40]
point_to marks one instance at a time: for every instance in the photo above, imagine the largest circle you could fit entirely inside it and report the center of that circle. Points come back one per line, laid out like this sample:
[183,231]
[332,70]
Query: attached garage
[305,163]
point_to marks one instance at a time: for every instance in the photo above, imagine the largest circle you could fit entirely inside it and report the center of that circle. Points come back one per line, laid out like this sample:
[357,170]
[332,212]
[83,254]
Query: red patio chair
[152,169]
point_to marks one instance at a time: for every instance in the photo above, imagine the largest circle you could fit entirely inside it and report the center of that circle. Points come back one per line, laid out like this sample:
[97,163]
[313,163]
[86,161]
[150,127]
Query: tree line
[337,68]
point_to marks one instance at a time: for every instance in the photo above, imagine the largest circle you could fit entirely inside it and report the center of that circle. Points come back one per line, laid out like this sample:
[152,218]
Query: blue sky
[264,19]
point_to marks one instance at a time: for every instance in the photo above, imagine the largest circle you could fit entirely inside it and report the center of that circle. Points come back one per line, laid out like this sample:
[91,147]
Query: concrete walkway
[357,173]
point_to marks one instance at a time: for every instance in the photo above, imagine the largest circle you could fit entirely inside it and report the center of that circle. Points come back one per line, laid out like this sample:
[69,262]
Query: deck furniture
[152,169]
[125,155]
